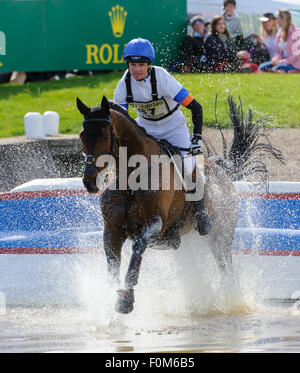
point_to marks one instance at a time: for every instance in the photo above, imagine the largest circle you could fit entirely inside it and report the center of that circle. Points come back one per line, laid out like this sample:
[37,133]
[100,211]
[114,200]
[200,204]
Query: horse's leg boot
[203,220]
[125,301]
[175,240]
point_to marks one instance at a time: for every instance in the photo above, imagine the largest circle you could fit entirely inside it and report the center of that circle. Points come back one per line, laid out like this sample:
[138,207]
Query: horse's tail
[247,149]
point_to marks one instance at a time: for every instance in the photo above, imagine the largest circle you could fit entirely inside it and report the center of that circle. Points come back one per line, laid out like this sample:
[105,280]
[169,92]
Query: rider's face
[138,69]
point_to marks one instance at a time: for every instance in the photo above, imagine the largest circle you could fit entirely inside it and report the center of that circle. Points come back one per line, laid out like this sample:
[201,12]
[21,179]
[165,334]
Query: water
[269,329]
[182,304]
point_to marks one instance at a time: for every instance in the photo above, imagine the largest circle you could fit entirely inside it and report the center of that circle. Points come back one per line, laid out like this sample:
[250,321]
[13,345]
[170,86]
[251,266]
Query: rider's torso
[149,104]
[157,116]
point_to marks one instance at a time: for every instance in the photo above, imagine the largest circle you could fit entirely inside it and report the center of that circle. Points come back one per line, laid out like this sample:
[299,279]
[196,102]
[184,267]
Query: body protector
[154,110]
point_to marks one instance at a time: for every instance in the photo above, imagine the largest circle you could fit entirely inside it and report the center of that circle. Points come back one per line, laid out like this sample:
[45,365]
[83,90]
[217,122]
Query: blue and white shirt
[168,88]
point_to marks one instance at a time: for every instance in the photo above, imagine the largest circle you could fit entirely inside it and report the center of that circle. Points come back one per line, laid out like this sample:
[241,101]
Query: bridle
[95,125]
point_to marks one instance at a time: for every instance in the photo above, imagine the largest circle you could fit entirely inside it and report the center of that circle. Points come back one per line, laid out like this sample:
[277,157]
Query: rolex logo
[117,17]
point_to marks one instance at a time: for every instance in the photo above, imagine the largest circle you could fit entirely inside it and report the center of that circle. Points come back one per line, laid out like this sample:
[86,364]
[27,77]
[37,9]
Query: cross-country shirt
[170,94]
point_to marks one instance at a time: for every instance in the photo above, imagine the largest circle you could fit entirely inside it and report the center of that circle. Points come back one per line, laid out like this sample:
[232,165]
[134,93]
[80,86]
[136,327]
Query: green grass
[268,95]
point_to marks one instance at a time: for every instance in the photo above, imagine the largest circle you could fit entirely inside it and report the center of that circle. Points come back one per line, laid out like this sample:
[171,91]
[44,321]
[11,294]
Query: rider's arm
[187,100]
[197,116]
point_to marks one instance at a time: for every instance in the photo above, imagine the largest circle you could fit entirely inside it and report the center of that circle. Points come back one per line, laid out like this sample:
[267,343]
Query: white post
[34,125]
[51,123]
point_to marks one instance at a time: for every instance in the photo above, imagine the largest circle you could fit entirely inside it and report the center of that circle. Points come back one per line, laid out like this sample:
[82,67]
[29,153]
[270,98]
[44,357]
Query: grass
[269,95]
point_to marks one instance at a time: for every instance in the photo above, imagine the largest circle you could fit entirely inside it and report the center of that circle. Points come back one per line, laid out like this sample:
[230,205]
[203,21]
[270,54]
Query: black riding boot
[203,219]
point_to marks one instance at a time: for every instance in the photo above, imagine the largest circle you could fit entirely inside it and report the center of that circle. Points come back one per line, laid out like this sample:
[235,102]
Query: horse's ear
[105,105]
[84,110]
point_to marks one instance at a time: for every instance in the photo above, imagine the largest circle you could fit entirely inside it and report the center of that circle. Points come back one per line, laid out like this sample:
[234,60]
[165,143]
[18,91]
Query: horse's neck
[129,136]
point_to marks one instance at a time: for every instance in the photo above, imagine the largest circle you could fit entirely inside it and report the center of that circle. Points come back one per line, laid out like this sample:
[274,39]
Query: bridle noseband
[92,126]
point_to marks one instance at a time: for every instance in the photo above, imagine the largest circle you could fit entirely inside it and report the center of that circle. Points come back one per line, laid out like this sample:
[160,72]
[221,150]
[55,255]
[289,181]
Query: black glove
[196,144]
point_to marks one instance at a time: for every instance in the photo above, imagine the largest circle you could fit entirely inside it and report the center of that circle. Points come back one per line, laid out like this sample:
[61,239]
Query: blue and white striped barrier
[270,218]
[57,216]
[61,218]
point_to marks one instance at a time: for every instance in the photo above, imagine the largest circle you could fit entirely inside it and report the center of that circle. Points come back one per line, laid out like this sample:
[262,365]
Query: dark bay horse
[150,218]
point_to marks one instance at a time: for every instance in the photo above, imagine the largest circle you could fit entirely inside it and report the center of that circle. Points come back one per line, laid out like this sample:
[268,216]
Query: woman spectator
[262,48]
[268,32]
[219,53]
[287,58]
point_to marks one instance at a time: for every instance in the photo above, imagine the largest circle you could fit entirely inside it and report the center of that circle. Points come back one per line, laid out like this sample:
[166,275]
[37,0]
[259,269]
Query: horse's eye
[106,136]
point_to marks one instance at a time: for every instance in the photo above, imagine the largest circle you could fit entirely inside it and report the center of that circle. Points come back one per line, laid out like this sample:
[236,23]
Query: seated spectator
[219,53]
[233,24]
[261,47]
[258,52]
[192,48]
[268,32]
[287,58]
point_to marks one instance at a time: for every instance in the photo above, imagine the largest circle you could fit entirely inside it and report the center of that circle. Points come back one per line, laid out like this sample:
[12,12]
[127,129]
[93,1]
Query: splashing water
[175,288]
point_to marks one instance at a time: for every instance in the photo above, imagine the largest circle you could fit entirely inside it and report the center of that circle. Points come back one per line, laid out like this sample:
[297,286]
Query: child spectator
[233,23]
[287,58]
[258,52]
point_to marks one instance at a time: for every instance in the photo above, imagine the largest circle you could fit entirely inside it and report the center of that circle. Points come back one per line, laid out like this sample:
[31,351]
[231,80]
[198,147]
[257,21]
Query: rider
[156,97]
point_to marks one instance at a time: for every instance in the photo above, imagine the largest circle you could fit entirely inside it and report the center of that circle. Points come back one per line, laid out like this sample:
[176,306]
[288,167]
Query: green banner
[53,35]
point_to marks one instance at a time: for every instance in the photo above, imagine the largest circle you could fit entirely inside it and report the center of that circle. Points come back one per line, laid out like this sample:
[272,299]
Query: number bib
[152,110]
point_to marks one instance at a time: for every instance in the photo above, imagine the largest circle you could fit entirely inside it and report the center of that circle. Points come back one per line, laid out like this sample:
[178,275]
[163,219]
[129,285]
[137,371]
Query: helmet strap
[146,76]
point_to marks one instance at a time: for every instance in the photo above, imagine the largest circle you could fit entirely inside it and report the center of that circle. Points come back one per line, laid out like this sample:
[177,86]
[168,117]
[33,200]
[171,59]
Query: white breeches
[180,137]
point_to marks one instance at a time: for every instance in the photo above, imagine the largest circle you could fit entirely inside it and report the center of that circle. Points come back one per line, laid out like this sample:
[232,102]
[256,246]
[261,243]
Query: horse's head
[97,138]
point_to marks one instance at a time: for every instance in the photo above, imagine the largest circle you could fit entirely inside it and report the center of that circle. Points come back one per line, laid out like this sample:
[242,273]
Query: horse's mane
[120,109]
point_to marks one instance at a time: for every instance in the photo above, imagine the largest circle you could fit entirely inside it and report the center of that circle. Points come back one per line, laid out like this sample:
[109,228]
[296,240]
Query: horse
[150,218]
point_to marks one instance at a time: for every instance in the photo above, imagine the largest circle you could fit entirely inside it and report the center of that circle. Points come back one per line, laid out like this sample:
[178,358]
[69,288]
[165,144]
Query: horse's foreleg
[148,236]
[113,242]
[140,244]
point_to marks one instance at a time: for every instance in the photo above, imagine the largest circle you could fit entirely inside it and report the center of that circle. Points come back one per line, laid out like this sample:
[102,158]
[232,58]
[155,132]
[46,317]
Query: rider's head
[139,54]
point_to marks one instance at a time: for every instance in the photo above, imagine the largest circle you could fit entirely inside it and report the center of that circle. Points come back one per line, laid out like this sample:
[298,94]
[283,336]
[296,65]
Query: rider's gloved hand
[196,144]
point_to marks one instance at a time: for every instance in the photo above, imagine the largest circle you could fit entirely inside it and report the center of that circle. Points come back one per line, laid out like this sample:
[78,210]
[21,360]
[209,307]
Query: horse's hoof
[125,301]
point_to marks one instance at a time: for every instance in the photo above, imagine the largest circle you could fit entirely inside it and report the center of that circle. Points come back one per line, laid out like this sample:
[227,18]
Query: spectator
[192,48]
[268,31]
[262,48]
[219,53]
[233,23]
[258,52]
[287,58]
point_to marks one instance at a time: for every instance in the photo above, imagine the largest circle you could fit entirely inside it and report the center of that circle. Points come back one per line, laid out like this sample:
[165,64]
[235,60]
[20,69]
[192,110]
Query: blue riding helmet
[139,50]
